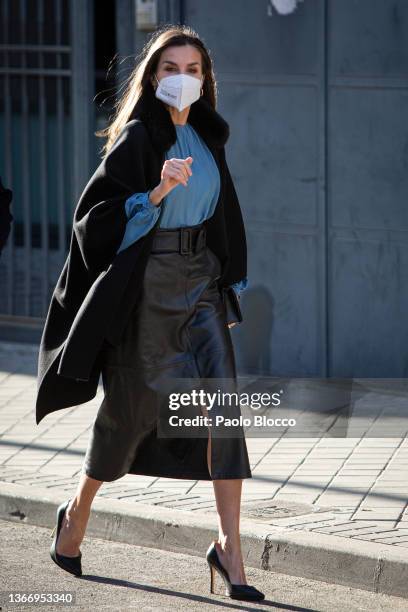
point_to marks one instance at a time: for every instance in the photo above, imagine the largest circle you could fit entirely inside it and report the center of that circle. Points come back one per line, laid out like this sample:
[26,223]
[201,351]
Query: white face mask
[178,90]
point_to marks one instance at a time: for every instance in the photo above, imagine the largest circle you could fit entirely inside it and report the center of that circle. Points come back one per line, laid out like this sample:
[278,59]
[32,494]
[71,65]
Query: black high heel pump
[69,564]
[244,592]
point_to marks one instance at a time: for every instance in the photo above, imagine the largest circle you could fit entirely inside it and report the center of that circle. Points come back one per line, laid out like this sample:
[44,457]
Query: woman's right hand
[174,171]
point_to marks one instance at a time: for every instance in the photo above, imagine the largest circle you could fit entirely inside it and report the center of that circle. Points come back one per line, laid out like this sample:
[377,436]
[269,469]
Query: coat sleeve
[100,216]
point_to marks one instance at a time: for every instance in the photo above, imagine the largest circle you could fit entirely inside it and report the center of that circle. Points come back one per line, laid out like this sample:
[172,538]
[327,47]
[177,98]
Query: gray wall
[317,102]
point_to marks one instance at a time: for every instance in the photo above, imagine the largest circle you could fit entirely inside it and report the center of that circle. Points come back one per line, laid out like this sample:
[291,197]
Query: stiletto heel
[69,564]
[244,592]
[212,576]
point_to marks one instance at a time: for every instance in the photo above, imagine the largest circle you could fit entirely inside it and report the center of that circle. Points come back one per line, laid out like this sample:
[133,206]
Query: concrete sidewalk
[325,499]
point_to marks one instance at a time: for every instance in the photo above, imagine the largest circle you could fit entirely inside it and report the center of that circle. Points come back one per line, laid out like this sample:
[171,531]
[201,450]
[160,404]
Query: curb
[332,559]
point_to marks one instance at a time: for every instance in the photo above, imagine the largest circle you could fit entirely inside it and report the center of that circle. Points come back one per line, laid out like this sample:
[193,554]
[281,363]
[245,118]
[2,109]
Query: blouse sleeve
[141,215]
[240,286]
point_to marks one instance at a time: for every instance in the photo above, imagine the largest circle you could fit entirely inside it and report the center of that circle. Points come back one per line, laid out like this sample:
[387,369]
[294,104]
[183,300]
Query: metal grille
[36,149]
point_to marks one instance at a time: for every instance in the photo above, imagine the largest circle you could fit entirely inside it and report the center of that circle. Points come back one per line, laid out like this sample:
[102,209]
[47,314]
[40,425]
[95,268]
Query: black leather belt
[184,240]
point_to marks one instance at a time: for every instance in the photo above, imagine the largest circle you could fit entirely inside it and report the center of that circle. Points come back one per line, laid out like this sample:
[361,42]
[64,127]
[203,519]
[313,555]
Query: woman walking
[145,296]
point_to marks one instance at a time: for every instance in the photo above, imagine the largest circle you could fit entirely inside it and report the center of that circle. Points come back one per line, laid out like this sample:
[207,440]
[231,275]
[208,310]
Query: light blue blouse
[183,206]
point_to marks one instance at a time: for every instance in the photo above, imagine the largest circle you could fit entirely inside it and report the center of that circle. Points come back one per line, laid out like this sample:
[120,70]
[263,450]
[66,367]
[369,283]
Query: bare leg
[76,517]
[228,501]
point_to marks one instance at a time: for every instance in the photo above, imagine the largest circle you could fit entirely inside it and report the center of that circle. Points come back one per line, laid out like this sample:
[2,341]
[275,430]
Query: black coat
[98,288]
[6,217]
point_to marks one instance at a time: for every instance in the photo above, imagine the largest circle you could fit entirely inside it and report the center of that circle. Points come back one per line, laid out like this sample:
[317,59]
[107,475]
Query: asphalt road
[123,577]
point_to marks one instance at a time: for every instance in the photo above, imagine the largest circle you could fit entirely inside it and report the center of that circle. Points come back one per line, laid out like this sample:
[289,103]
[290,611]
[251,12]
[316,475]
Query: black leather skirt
[177,330]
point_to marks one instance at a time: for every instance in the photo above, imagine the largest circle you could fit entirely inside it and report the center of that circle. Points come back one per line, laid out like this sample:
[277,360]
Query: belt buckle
[185,250]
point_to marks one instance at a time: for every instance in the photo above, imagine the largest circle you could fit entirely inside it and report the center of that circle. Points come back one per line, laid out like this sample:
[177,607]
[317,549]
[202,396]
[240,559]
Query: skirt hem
[177,476]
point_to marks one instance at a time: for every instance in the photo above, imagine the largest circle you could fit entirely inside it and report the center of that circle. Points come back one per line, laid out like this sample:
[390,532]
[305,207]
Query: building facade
[317,101]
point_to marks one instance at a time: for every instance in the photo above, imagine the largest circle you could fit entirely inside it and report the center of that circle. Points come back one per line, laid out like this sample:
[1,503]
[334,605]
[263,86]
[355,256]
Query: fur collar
[208,122]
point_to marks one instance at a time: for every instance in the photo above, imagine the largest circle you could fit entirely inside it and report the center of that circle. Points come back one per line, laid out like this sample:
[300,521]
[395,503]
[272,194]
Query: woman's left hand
[232,324]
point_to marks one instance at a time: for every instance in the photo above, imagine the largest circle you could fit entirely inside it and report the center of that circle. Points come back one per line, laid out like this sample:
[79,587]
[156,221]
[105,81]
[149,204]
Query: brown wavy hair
[162,38]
